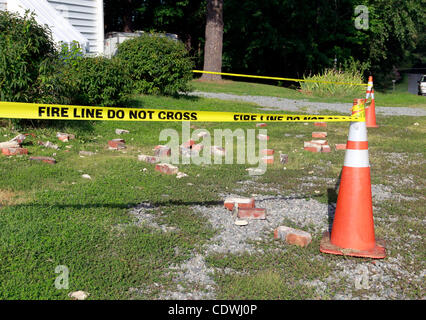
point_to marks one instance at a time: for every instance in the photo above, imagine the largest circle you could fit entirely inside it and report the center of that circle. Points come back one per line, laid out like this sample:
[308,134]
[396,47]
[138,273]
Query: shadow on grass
[332,194]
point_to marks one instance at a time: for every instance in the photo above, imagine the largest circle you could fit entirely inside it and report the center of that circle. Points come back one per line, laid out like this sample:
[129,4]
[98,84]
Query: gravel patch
[274,103]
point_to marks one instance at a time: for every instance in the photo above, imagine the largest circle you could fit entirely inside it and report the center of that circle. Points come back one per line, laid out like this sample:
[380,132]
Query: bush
[157,65]
[98,81]
[27,60]
[352,72]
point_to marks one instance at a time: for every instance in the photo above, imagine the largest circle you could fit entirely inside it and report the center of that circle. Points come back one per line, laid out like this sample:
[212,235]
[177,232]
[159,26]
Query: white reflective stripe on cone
[356,158]
[357,131]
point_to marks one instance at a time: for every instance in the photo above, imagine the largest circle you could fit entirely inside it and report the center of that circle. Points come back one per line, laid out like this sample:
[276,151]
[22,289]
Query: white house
[69,20]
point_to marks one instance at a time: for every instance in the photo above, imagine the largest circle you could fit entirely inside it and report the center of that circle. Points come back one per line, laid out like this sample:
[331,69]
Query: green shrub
[352,72]
[28,68]
[157,64]
[98,81]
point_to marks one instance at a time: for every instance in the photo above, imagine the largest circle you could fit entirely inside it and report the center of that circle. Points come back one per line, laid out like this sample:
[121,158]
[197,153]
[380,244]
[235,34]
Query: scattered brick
[162,151]
[19,138]
[14,151]
[320,124]
[116,144]
[319,134]
[267,152]
[268,159]
[121,131]
[65,137]
[252,213]
[321,142]
[240,202]
[340,146]
[261,125]
[312,147]
[44,159]
[293,236]
[262,137]
[148,159]
[283,158]
[166,168]
[188,144]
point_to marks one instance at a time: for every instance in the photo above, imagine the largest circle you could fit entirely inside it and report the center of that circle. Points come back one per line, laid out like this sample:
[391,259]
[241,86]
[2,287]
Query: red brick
[261,125]
[240,202]
[65,136]
[320,142]
[252,213]
[340,146]
[188,144]
[293,236]
[262,137]
[319,134]
[267,152]
[14,151]
[312,147]
[162,151]
[268,159]
[166,168]
[320,124]
[148,159]
[44,159]
[117,143]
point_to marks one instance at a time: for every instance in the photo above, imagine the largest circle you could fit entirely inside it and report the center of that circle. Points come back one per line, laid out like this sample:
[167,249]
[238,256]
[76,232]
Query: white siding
[87,17]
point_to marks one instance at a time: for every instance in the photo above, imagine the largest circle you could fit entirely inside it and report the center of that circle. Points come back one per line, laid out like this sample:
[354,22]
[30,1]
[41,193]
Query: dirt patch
[9,198]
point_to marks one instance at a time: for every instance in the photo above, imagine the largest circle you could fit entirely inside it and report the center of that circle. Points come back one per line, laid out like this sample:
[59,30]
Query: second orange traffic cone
[353,226]
[370,113]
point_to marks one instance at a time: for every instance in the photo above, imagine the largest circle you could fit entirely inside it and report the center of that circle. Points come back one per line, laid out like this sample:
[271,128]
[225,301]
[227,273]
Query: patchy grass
[50,216]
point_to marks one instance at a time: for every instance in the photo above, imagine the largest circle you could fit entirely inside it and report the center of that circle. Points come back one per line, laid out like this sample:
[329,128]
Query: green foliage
[98,81]
[157,64]
[352,72]
[26,55]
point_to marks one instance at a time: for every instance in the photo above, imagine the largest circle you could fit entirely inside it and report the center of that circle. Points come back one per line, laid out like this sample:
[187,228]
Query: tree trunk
[214,40]
[127,16]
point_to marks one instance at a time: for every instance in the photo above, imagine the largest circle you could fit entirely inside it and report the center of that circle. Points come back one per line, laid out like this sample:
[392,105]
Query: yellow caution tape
[277,78]
[65,112]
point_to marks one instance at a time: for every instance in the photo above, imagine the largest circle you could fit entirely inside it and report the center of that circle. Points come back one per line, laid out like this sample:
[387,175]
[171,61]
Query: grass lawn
[50,215]
[400,98]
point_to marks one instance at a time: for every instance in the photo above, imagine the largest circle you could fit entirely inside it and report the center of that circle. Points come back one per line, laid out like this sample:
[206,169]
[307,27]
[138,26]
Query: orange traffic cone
[370,113]
[353,226]
[369,88]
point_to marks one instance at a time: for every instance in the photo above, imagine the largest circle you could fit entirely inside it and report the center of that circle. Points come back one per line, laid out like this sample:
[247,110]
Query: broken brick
[340,146]
[188,144]
[252,213]
[293,236]
[263,137]
[162,151]
[14,151]
[117,144]
[267,152]
[268,159]
[319,134]
[148,159]
[166,168]
[229,203]
[261,125]
[64,137]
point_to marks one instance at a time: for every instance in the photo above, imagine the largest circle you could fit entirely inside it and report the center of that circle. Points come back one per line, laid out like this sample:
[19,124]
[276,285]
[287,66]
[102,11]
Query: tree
[214,40]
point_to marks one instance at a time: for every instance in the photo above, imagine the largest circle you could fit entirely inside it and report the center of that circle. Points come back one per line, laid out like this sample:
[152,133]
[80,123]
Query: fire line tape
[66,112]
[277,78]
